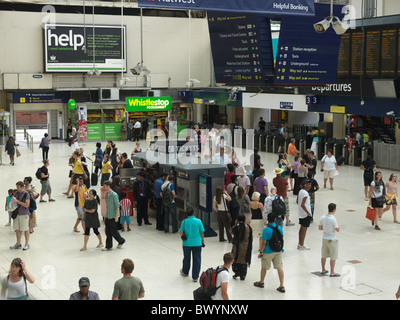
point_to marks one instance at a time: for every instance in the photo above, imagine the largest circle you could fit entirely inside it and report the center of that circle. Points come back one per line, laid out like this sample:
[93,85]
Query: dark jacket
[136,190]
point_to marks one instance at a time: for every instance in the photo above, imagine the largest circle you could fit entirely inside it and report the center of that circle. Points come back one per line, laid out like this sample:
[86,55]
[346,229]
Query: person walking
[292,151]
[80,191]
[192,234]
[329,226]
[369,167]
[111,218]
[10,149]
[45,182]
[281,184]
[223,278]
[91,218]
[257,223]
[282,137]
[377,197]
[45,146]
[15,283]
[128,287]
[158,201]
[328,166]
[268,256]
[73,140]
[105,169]
[220,206]
[168,195]
[84,293]
[304,212]
[141,198]
[391,196]
[98,158]
[21,222]
[242,246]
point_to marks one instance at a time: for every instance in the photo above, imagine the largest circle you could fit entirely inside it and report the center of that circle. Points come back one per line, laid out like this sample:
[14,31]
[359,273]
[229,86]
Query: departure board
[372,53]
[389,46]
[357,56]
[343,68]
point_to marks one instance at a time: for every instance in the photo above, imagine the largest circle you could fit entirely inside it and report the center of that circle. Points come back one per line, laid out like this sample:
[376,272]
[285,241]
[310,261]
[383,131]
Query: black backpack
[278,206]
[276,241]
[38,173]
[233,203]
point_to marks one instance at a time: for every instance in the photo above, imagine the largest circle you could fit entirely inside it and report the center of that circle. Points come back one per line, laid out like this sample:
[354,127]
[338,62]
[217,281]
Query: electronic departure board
[373,53]
[241,46]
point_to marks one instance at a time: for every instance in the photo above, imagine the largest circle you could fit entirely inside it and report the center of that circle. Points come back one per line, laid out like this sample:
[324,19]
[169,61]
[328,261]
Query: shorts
[368,180]
[329,249]
[375,203]
[46,188]
[305,222]
[124,219]
[275,258]
[79,211]
[329,174]
[21,222]
[286,201]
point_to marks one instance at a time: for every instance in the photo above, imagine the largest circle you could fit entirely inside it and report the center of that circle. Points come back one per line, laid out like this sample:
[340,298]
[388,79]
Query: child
[9,206]
[126,206]
[329,226]
[81,192]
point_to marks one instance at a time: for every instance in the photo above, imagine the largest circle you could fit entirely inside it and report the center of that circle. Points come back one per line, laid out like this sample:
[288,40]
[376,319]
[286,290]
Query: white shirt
[217,159]
[268,206]
[244,182]
[303,194]
[137,125]
[329,224]
[378,191]
[329,162]
[223,205]
[223,277]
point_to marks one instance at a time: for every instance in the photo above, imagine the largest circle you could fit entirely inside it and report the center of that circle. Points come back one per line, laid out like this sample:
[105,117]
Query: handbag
[14,214]
[17,152]
[370,215]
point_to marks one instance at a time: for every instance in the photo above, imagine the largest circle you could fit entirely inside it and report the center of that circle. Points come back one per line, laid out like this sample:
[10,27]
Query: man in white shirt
[221,157]
[244,180]
[304,211]
[268,207]
[223,278]
[137,128]
[329,226]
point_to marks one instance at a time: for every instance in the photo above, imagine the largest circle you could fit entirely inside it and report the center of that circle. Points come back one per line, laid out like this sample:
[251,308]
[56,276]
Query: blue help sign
[305,57]
[275,7]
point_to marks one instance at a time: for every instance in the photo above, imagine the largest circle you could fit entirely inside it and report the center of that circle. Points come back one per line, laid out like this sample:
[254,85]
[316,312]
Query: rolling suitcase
[94,178]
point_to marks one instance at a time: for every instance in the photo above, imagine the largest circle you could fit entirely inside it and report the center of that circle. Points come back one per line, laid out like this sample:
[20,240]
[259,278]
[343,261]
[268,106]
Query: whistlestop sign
[148,103]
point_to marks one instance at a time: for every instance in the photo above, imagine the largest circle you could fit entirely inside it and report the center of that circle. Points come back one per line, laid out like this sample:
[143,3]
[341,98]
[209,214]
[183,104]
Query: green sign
[94,131]
[148,103]
[112,131]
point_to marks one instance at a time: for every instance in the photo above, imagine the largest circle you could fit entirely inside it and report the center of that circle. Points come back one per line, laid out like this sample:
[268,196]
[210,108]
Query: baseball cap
[84,281]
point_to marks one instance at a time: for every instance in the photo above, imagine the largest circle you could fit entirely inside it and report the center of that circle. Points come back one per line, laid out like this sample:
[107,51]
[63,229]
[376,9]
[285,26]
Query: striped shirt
[125,205]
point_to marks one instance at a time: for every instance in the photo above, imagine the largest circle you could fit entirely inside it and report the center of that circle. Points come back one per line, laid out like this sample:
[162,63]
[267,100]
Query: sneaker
[303,247]
[183,274]
[195,280]
[16,246]
[106,249]
[42,201]
[26,247]
[290,223]
[52,200]
[8,224]
[120,245]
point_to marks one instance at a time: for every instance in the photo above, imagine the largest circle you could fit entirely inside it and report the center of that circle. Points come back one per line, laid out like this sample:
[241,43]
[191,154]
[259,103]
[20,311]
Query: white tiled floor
[57,263]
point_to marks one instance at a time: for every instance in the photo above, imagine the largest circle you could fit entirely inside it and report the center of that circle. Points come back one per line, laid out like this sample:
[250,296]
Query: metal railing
[29,140]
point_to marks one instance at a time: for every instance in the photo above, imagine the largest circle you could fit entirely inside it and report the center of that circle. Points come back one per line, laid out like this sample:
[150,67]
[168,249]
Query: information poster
[94,131]
[82,122]
[76,48]
[205,201]
[112,131]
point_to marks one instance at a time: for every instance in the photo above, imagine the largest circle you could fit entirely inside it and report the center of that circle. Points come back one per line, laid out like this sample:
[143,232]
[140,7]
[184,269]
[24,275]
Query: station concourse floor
[368,259]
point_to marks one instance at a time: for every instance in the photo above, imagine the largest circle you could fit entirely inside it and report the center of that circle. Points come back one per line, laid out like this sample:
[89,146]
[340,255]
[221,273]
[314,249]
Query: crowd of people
[248,207]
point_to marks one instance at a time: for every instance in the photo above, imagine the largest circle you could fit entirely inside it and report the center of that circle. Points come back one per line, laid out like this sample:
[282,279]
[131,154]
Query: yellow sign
[338,109]
[22,100]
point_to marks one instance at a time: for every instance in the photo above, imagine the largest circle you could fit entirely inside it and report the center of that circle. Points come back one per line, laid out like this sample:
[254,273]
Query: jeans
[171,208]
[187,253]
[160,214]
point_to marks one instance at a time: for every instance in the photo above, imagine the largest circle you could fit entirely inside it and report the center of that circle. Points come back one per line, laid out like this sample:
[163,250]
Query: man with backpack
[276,205]
[168,196]
[271,252]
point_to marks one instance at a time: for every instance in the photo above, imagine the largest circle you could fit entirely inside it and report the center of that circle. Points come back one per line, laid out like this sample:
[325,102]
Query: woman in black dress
[91,218]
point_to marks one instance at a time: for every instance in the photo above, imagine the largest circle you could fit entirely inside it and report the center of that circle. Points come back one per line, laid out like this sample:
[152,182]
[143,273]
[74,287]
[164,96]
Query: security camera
[390,113]
[322,26]
[339,26]
[195,81]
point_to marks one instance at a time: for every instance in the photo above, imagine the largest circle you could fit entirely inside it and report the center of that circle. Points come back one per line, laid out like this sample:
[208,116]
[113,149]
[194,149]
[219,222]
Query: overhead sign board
[148,103]
[305,57]
[275,7]
[73,48]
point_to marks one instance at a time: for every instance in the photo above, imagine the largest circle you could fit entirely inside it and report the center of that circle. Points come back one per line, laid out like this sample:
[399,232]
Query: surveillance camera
[322,26]
[390,113]
[194,80]
[339,26]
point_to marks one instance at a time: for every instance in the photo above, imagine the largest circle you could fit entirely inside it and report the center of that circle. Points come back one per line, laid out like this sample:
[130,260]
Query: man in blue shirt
[269,256]
[158,200]
[192,232]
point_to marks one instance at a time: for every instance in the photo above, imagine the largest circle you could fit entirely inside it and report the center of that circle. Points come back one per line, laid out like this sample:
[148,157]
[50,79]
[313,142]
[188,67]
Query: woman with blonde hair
[256,209]
[15,282]
[224,218]
[391,196]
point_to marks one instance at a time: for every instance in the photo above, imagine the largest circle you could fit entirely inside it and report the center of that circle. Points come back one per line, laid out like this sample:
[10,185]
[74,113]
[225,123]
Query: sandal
[281,289]
[259,284]
[334,275]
